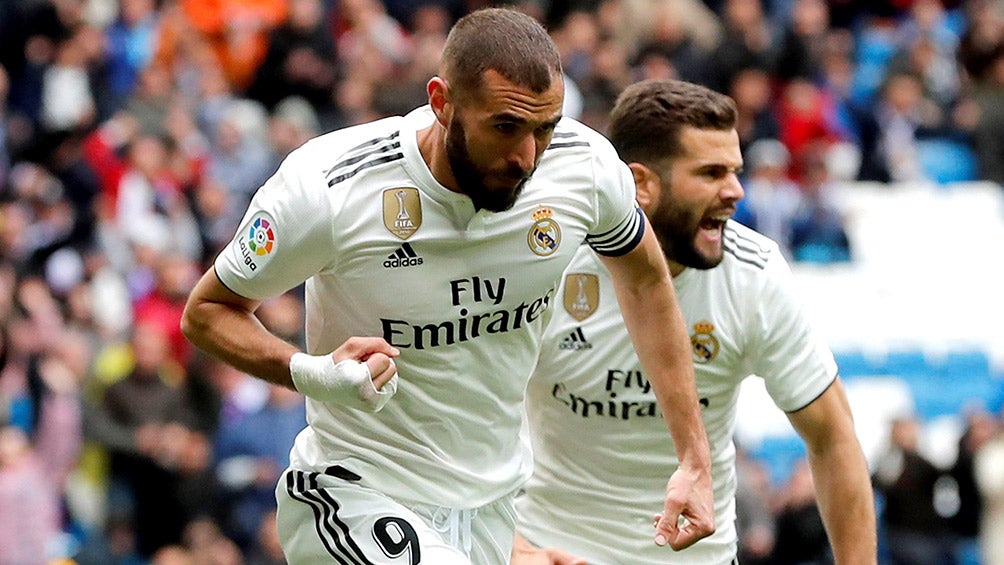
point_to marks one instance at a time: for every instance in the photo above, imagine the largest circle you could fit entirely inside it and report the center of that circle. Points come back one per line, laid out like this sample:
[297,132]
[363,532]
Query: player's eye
[506,128]
[545,129]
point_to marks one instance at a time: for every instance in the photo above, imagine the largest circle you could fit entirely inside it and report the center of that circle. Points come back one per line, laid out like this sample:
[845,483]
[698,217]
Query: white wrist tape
[348,382]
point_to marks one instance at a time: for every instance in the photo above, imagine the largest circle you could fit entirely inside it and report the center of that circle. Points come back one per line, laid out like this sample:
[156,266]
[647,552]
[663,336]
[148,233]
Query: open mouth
[714,223]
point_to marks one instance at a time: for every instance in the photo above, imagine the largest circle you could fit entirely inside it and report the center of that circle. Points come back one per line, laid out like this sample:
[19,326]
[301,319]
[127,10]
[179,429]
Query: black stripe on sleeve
[567,144]
[375,141]
[756,262]
[364,166]
[626,238]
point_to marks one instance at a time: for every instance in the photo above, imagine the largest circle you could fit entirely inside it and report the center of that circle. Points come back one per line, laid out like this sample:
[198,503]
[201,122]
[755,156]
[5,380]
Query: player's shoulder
[339,147]
[572,137]
[750,251]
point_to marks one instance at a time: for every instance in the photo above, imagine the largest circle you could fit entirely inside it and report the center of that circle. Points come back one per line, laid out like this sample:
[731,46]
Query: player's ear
[439,100]
[647,185]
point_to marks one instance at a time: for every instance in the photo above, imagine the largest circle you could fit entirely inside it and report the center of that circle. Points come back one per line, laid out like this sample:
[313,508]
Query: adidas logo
[575,341]
[405,256]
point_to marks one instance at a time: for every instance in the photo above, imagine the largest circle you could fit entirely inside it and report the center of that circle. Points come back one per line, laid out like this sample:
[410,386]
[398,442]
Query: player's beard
[677,228]
[471,179]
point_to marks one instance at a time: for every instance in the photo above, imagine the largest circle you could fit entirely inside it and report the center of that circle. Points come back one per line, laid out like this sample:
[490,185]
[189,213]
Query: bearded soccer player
[430,245]
[599,446]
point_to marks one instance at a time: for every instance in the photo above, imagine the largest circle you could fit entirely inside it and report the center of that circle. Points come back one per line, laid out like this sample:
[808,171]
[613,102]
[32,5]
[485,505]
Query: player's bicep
[825,419]
[210,289]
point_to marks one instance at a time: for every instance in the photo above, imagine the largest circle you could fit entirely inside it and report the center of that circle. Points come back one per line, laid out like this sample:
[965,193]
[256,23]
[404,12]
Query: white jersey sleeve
[795,363]
[618,229]
[283,236]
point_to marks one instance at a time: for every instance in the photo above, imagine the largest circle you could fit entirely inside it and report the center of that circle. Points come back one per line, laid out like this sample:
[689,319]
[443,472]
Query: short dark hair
[647,118]
[512,43]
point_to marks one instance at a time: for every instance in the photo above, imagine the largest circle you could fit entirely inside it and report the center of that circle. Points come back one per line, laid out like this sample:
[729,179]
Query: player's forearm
[844,494]
[648,303]
[664,352]
[238,338]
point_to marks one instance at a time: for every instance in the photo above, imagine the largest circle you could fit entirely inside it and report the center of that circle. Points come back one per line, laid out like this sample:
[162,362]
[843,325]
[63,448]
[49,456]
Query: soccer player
[430,245]
[599,447]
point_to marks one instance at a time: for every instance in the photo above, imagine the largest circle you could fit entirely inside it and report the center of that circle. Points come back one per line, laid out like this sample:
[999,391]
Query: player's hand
[375,352]
[525,553]
[689,513]
[361,374]
[552,556]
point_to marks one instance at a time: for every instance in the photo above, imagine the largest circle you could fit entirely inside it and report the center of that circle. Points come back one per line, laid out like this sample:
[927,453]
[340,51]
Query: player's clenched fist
[359,374]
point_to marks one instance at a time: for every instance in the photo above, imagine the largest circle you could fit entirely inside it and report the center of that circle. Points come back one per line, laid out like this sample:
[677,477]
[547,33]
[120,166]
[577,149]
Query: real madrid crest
[545,234]
[582,295]
[703,342]
[402,211]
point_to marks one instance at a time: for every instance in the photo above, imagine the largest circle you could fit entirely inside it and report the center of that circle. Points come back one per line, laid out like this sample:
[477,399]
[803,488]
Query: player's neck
[674,268]
[432,146]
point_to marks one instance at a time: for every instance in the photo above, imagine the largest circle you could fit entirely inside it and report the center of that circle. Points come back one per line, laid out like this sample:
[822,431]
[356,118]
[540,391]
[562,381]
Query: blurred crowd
[931,511]
[134,132]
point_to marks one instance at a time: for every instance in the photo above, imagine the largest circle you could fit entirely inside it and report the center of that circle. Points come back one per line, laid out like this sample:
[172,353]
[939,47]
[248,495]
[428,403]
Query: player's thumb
[567,559]
[667,527]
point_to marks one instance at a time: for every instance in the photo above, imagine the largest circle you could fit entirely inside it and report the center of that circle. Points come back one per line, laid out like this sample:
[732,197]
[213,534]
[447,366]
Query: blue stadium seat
[945,160]
[779,454]
[855,363]
[876,46]
[960,364]
[959,379]
[909,364]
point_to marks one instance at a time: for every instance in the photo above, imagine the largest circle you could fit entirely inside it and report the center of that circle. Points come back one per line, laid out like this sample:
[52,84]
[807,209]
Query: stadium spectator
[801,535]
[35,463]
[816,229]
[755,520]
[772,199]
[988,464]
[916,533]
[981,427]
[747,42]
[986,101]
[300,61]
[801,49]
[251,452]
[150,404]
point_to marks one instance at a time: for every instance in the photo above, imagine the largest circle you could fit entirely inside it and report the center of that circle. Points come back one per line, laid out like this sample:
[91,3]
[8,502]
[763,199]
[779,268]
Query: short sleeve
[285,237]
[620,222]
[794,361]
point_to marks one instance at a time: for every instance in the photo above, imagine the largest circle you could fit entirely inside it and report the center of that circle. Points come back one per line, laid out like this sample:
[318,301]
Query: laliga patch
[255,244]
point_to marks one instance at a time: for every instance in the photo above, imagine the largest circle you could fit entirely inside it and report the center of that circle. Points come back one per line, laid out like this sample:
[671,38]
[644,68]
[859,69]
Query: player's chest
[402,242]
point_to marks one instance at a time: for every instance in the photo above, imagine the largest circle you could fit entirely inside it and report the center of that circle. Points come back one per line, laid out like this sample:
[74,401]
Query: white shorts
[330,517]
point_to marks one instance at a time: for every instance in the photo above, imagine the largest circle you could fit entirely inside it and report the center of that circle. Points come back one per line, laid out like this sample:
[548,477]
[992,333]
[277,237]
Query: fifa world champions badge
[545,233]
[402,211]
[582,295]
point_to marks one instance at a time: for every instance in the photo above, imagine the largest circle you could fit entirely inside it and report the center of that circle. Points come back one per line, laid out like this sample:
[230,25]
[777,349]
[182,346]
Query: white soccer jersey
[388,251]
[602,452]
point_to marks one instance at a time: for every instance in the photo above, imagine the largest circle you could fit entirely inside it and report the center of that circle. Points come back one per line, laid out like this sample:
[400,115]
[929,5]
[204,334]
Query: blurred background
[133,134]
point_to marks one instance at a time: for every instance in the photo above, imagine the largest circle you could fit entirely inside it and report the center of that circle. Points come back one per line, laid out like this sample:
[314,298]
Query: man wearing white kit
[430,245]
[599,445]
